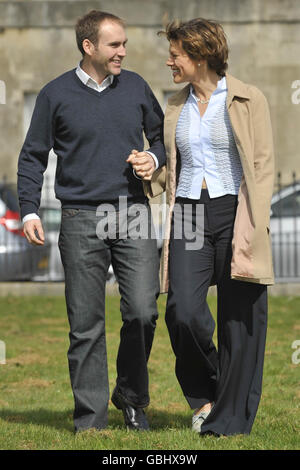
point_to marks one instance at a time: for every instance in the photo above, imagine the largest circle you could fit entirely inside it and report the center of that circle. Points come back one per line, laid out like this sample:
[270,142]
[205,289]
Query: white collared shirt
[207,147]
[90,82]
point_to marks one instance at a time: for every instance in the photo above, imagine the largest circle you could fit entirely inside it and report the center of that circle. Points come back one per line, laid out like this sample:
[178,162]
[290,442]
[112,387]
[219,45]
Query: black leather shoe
[135,418]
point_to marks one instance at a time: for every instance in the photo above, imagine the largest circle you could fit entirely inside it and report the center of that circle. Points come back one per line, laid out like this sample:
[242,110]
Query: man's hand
[34,232]
[142,163]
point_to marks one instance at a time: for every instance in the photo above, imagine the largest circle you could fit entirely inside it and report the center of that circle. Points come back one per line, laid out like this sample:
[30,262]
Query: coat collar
[236,88]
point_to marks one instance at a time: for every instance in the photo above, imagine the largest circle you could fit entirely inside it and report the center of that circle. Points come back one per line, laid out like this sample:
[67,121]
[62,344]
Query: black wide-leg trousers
[231,374]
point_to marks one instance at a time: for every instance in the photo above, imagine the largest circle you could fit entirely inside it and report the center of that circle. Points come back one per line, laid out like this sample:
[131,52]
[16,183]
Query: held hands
[34,232]
[142,163]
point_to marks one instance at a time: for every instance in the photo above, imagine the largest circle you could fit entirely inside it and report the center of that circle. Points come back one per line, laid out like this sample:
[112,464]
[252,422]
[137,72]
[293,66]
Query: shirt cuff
[138,177]
[154,158]
[155,161]
[30,217]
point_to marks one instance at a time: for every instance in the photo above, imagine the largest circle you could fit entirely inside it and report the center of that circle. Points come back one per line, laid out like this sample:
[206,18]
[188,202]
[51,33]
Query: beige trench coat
[250,119]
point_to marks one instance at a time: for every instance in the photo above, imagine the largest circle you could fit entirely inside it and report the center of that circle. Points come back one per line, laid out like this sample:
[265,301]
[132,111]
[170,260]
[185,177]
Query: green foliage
[36,402]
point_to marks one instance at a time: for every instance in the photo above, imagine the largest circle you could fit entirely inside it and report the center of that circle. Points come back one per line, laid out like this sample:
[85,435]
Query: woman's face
[183,68]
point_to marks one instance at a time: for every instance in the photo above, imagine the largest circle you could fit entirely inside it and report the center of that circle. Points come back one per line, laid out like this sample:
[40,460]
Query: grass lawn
[36,402]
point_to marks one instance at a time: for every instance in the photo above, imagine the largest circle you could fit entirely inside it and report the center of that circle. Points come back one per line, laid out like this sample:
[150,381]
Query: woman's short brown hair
[201,39]
[87,27]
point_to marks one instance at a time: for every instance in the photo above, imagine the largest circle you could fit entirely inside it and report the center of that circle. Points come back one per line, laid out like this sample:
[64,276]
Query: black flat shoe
[135,418]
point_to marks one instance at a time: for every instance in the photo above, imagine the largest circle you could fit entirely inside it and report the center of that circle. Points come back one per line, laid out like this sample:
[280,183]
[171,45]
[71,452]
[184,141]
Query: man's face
[107,56]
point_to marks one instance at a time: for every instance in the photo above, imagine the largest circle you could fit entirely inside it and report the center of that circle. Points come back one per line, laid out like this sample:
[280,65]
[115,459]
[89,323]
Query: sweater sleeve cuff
[28,208]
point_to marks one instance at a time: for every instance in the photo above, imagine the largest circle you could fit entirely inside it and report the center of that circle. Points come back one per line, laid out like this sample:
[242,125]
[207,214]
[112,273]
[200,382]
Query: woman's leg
[242,325]
[189,320]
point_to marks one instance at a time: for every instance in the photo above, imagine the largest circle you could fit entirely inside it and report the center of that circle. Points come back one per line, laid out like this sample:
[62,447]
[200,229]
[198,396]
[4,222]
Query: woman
[218,140]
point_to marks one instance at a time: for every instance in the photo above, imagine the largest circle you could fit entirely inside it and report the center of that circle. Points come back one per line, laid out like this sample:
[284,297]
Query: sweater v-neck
[99,94]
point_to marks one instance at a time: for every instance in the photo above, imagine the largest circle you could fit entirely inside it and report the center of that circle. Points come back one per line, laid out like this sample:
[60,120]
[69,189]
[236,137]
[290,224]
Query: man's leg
[86,260]
[136,265]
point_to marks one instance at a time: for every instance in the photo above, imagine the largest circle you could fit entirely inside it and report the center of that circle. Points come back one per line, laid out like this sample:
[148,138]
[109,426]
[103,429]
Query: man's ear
[88,47]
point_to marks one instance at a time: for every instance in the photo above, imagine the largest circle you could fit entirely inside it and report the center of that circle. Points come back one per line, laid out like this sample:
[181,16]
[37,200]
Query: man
[94,117]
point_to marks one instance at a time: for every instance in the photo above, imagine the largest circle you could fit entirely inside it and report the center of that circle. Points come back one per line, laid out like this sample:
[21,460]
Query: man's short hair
[87,27]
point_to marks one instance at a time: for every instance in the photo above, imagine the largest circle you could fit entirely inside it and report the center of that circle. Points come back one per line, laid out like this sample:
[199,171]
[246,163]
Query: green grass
[36,402]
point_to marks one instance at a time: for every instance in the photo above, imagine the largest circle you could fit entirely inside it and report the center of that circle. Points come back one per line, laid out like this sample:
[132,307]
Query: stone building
[37,43]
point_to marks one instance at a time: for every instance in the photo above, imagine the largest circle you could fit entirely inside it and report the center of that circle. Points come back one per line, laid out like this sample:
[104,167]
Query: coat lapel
[237,92]
[173,111]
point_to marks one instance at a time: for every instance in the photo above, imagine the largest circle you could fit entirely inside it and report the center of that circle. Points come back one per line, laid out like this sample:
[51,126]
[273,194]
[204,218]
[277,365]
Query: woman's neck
[205,84]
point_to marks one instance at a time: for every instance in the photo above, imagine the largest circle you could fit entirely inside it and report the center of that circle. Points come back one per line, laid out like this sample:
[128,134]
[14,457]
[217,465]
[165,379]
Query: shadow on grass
[63,420]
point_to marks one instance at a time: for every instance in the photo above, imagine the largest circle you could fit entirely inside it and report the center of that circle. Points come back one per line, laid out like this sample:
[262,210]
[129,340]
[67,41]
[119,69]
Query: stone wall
[37,43]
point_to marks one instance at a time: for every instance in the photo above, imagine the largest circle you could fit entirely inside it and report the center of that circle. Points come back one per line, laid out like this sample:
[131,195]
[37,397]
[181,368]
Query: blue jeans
[86,260]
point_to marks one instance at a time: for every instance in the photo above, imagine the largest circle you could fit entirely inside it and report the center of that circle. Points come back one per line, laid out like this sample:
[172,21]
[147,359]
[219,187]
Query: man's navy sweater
[92,135]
